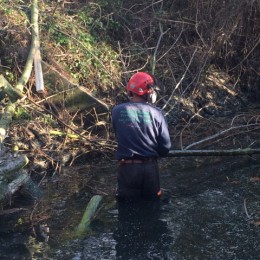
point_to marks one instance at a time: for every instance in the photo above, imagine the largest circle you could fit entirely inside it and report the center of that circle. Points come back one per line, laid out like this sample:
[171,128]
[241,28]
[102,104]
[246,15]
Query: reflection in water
[140,233]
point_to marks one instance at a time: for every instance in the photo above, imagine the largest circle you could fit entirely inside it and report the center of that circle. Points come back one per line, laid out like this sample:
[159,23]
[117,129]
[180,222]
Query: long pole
[234,152]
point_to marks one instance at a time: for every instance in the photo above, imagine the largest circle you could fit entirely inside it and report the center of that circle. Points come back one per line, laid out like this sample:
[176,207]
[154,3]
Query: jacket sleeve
[164,141]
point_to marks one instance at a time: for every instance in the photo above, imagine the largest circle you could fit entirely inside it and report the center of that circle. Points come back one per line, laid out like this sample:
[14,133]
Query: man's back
[141,130]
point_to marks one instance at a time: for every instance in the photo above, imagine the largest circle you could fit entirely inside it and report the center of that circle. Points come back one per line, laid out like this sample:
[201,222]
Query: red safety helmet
[141,83]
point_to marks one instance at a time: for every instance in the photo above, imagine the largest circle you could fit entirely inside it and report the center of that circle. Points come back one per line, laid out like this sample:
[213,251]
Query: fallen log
[232,152]
[88,215]
[62,91]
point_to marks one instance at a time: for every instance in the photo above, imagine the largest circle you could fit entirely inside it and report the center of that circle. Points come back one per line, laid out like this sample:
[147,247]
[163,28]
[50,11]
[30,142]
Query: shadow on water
[210,211]
[140,232]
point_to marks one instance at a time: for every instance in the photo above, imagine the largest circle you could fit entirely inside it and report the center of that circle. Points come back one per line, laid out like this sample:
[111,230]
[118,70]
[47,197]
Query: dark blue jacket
[141,131]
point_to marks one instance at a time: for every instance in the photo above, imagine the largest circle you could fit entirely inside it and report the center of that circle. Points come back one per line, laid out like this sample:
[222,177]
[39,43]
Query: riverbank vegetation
[205,56]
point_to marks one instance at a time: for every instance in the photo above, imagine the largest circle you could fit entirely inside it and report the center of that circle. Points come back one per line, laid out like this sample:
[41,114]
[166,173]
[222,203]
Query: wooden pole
[232,152]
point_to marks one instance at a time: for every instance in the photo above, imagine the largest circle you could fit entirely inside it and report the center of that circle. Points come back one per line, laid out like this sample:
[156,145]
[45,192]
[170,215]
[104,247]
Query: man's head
[142,85]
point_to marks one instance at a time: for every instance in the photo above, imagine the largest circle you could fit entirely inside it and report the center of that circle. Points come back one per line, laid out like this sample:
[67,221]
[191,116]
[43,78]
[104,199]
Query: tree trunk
[9,111]
[29,62]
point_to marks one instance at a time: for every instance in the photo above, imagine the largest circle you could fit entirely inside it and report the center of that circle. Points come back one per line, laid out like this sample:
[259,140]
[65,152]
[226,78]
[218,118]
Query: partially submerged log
[88,215]
[231,152]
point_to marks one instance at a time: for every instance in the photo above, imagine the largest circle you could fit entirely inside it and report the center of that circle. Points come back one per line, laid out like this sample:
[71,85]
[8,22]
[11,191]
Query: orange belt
[124,161]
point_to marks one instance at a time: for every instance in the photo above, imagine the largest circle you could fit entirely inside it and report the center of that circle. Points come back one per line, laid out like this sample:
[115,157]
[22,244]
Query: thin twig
[182,78]
[157,46]
[221,133]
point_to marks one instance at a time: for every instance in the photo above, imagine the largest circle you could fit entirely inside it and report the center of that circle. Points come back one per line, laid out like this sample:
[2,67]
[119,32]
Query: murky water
[210,211]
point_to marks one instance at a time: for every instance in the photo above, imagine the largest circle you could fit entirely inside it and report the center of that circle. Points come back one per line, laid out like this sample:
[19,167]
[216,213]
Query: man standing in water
[142,136]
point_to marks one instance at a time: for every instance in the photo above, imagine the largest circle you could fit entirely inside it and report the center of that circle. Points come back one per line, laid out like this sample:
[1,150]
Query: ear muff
[152,94]
[155,87]
[153,97]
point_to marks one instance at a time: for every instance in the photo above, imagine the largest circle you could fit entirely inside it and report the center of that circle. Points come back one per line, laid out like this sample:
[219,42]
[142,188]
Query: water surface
[210,211]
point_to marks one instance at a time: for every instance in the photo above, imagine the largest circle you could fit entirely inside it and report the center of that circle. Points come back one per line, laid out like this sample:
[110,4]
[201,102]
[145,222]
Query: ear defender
[151,94]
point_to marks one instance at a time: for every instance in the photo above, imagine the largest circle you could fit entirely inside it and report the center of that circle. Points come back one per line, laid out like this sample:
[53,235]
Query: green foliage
[47,119]
[88,58]
[60,38]
[8,75]
[21,114]
[6,7]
